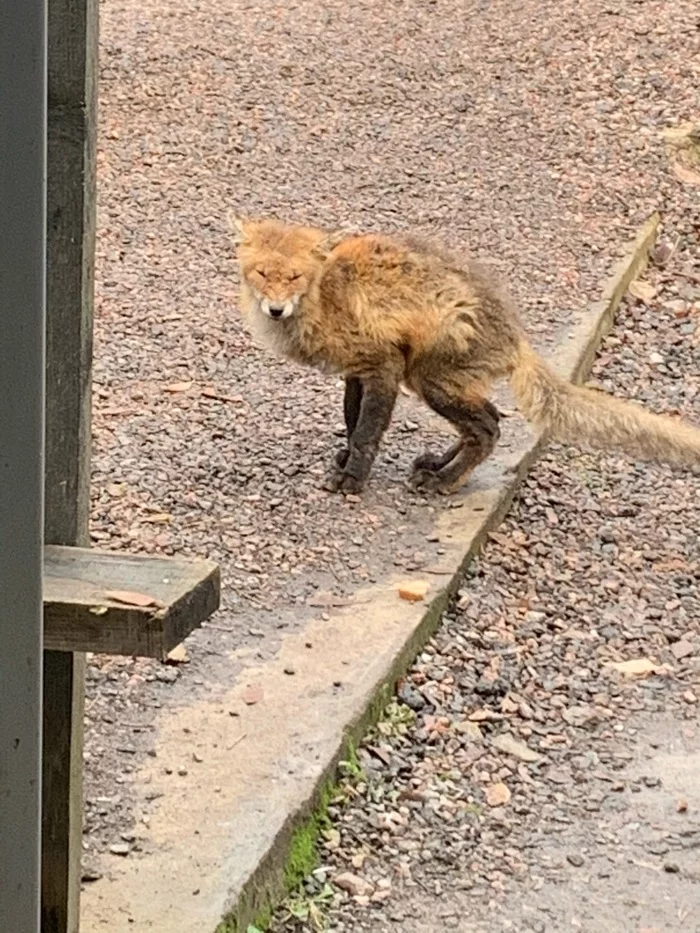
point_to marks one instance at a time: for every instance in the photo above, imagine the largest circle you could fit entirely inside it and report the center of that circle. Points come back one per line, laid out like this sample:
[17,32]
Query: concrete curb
[265,885]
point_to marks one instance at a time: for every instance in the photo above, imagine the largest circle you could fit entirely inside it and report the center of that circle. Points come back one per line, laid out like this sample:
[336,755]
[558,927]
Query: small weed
[397,720]
[351,766]
[311,907]
[474,808]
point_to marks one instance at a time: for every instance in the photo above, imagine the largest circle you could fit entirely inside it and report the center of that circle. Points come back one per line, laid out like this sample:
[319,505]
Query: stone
[353,884]
[414,590]
[579,715]
[120,848]
[497,795]
[681,649]
[511,746]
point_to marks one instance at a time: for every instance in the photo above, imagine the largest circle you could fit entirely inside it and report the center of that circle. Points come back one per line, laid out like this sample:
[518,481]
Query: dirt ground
[527,134]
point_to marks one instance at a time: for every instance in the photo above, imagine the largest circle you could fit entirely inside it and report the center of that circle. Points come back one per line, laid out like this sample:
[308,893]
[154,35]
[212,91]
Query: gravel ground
[527,133]
[519,782]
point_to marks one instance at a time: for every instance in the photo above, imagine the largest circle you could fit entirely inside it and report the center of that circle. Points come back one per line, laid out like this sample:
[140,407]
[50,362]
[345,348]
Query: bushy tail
[575,415]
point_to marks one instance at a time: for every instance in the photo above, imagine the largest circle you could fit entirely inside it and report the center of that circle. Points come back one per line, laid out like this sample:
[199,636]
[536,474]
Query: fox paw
[425,480]
[338,481]
[432,481]
[427,463]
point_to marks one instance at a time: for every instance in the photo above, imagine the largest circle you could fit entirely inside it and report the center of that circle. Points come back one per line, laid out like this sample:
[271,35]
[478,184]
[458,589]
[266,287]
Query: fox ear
[239,226]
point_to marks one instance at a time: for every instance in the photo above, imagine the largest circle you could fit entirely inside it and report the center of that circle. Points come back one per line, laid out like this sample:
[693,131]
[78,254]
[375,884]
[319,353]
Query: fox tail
[576,415]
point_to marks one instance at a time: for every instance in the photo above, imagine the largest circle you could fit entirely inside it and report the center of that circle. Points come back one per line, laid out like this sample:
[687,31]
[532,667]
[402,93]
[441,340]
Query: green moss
[259,925]
[262,922]
[227,926]
[303,854]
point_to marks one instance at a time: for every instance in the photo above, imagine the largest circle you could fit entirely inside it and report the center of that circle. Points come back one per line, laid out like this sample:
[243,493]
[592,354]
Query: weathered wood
[70,274]
[62,792]
[72,106]
[79,614]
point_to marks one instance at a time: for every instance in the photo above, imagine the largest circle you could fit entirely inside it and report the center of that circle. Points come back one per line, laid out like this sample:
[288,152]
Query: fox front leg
[351,407]
[377,399]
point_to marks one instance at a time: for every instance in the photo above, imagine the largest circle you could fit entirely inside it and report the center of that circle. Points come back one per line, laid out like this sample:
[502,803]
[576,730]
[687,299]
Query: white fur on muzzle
[278,311]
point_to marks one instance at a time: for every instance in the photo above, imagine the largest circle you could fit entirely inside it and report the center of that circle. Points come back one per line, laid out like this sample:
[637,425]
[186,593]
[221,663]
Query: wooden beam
[72,107]
[62,791]
[99,601]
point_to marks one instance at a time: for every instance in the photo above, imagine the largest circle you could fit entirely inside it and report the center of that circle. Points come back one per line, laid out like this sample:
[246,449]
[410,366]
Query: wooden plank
[72,109]
[79,614]
[62,797]
[70,273]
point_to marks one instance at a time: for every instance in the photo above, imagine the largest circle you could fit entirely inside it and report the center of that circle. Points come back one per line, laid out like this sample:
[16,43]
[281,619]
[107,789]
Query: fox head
[280,262]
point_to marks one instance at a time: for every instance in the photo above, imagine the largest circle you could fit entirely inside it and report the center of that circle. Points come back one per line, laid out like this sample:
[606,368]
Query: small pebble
[120,848]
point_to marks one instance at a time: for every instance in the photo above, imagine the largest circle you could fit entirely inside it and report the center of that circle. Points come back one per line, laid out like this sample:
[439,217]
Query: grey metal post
[22,329]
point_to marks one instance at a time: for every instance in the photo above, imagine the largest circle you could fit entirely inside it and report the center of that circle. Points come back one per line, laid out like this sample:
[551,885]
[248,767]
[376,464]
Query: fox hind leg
[476,419]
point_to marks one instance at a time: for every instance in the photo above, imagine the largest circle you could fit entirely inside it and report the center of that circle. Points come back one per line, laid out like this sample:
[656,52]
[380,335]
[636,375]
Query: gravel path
[527,133]
[521,782]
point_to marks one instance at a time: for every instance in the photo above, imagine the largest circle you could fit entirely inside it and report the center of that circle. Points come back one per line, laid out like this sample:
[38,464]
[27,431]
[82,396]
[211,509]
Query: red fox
[385,310]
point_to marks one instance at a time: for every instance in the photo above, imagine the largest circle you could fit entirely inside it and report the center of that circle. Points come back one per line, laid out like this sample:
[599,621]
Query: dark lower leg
[378,398]
[477,422]
[351,407]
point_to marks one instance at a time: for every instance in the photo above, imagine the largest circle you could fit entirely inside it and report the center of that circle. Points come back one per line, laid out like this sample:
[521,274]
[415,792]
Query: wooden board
[79,615]
[70,229]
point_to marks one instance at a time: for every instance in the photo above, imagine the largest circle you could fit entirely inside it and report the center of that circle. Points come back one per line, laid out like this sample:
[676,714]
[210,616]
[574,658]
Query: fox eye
[295,278]
[261,273]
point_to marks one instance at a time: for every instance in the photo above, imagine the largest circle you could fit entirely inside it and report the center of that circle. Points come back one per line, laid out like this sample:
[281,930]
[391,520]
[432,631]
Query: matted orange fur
[382,310]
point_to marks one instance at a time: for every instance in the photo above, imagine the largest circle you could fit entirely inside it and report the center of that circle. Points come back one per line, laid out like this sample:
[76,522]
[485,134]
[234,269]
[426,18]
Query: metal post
[22,329]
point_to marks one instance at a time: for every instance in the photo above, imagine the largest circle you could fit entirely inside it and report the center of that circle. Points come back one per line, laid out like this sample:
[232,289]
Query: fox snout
[278,309]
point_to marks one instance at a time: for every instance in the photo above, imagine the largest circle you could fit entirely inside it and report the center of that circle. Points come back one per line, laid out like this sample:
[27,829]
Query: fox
[382,311]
